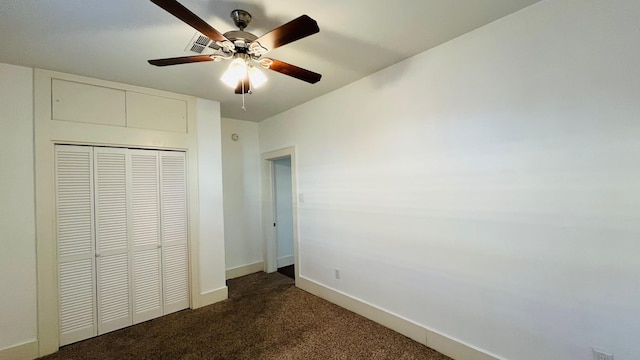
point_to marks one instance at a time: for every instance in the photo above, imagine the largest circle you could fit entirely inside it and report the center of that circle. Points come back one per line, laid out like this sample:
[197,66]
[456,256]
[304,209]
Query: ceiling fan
[242,47]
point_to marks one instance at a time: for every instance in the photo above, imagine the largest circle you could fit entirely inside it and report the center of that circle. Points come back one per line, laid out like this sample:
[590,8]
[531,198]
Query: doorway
[283,216]
[280,212]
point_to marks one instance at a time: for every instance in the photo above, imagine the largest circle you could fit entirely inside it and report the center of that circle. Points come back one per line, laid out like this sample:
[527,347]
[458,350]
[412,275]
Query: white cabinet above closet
[156,112]
[78,102]
[89,103]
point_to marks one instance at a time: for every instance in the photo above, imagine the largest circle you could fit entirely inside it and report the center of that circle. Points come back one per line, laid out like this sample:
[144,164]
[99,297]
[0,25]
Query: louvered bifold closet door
[74,226]
[145,211]
[112,244]
[173,204]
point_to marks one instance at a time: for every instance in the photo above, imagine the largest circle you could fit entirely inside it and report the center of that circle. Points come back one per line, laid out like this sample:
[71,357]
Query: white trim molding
[214,296]
[243,270]
[442,343]
[268,215]
[24,351]
[49,132]
[286,260]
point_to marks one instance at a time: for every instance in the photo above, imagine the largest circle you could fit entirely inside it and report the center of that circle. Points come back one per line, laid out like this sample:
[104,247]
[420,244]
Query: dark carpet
[289,271]
[265,317]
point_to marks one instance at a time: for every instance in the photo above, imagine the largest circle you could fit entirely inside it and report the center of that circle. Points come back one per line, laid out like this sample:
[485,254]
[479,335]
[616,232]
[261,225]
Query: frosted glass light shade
[236,71]
[256,77]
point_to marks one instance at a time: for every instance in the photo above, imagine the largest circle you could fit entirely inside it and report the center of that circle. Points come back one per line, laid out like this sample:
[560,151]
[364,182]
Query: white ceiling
[112,40]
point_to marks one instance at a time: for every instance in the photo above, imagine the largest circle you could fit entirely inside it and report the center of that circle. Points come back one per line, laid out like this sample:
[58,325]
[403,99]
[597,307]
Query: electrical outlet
[601,355]
[337,273]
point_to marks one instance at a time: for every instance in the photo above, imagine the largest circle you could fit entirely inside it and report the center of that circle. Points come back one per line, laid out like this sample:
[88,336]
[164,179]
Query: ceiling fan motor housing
[241,39]
[241,18]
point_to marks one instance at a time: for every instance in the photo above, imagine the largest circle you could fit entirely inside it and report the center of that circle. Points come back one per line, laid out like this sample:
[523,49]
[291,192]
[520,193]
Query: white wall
[284,212]
[212,258]
[241,179]
[489,188]
[17,219]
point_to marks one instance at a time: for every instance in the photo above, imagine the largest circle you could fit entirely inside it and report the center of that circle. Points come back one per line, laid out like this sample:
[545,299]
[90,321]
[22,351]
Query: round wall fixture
[235,137]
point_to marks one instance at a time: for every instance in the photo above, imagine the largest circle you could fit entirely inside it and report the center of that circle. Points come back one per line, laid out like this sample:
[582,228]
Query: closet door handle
[97,254]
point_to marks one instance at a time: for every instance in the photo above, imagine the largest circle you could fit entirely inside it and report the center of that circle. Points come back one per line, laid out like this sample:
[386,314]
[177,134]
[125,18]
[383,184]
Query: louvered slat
[144,198]
[147,286]
[76,295]
[112,242]
[76,274]
[145,203]
[174,231]
[111,200]
[113,292]
[74,200]
[176,280]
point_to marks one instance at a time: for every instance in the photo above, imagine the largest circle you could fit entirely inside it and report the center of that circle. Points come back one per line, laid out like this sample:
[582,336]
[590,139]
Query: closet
[121,237]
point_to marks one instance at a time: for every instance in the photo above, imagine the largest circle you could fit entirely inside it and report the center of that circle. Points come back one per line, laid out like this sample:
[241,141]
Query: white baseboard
[456,349]
[214,296]
[285,261]
[444,344]
[244,270]
[24,351]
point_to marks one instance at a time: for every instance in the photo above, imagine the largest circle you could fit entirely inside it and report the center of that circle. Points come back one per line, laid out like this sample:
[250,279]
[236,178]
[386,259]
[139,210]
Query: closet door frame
[128,221]
[48,132]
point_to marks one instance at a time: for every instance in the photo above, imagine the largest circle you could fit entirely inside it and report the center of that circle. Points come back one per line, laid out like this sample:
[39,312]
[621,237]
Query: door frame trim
[268,208]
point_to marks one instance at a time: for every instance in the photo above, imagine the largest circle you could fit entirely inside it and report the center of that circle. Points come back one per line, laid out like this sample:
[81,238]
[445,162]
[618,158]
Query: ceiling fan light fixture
[235,72]
[241,47]
[256,77]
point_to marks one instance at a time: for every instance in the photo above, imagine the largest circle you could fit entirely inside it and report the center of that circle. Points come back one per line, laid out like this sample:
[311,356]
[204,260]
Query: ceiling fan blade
[180,60]
[294,71]
[184,14]
[296,29]
[247,86]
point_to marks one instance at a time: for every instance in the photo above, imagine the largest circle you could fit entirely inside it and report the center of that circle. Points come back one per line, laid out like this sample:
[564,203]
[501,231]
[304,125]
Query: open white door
[283,202]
